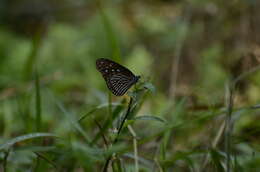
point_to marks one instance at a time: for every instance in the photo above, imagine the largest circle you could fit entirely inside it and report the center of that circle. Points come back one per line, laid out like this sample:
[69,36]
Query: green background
[190,55]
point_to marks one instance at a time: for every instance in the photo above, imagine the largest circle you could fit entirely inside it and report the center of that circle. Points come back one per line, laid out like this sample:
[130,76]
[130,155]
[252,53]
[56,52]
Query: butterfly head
[137,78]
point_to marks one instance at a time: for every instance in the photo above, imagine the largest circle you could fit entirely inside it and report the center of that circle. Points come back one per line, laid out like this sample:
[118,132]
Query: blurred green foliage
[56,113]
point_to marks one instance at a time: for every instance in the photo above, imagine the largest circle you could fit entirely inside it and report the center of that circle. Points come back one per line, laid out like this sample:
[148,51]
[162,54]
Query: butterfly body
[118,78]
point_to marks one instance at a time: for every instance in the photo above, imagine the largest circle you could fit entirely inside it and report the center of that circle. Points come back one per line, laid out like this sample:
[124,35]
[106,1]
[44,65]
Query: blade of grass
[103,136]
[177,59]
[116,165]
[165,141]
[183,26]
[41,156]
[73,122]
[215,142]
[15,140]
[38,103]
[118,133]
[217,159]
[109,108]
[111,36]
[245,75]
[5,160]
[97,108]
[116,112]
[149,117]
[135,147]
[124,120]
[181,156]
[31,60]
[229,103]
[143,161]
[158,165]
[36,148]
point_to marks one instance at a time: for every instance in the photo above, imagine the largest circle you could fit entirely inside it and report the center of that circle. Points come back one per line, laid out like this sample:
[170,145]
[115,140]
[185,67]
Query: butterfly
[118,78]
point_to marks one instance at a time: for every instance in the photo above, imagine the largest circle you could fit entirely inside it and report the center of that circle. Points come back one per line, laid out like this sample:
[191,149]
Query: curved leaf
[13,141]
[97,108]
[149,117]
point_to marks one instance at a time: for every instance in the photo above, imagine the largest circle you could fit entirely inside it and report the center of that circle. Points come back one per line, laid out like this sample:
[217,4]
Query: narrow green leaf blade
[15,140]
[149,117]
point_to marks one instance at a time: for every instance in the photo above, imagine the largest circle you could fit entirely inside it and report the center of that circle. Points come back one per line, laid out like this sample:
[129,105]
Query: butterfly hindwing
[118,78]
[119,84]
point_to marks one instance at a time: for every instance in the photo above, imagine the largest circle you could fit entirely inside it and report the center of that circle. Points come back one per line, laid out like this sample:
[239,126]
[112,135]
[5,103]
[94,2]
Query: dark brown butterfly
[118,78]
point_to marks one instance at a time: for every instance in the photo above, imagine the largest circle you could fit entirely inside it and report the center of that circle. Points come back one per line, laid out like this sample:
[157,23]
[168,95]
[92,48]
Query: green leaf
[116,112]
[97,108]
[86,152]
[128,122]
[13,141]
[73,121]
[37,148]
[117,165]
[217,159]
[116,148]
[141,160]
[149,86]
[149,117]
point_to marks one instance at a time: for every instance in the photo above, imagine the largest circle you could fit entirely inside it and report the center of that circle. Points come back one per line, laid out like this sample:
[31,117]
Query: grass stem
[38,103]
[118,132]
[5,160]
[135,147]
[230,90]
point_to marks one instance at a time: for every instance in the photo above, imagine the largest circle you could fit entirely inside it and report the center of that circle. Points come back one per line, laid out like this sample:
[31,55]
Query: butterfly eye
[118,82]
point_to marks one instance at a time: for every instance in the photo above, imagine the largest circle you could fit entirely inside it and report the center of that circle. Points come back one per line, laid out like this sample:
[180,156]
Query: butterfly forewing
[118,78]
[108,67]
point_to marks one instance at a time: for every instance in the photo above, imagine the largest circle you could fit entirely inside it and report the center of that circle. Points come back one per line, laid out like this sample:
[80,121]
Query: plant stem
[118,133]
[103,136]
[125,117]
[31,60]
[135,147]
[38,108]
[228,125]
[5,160]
